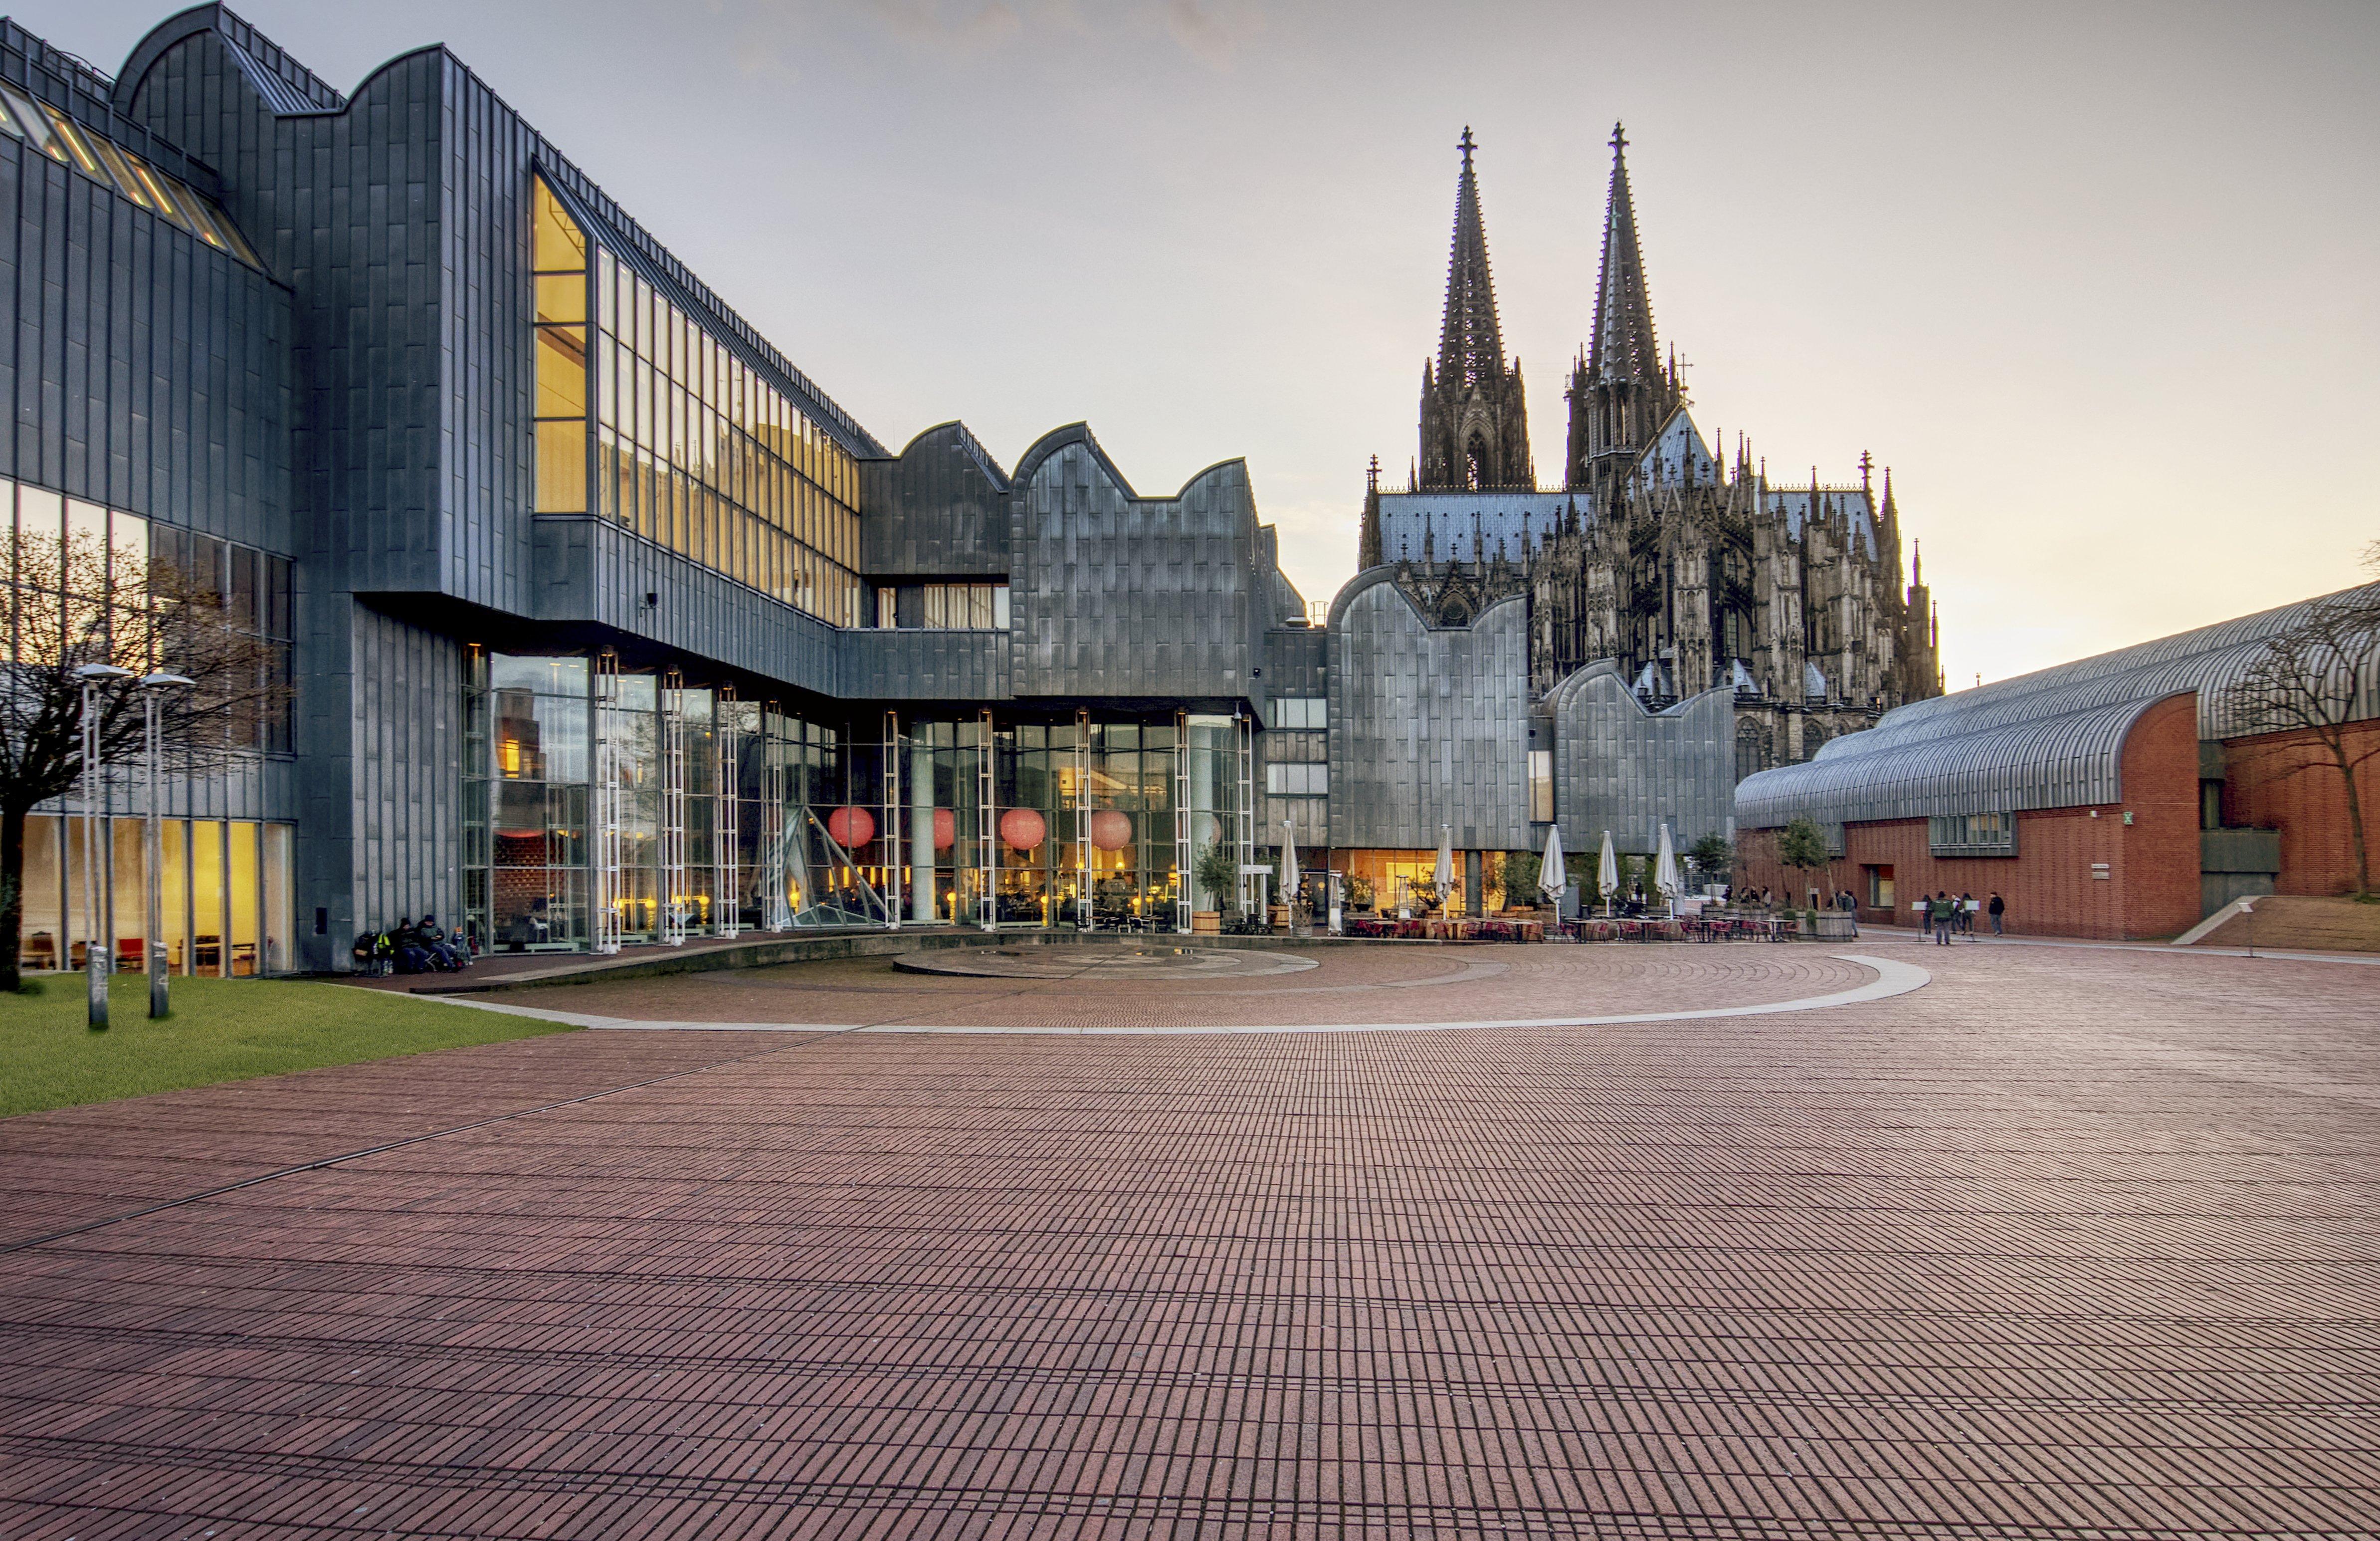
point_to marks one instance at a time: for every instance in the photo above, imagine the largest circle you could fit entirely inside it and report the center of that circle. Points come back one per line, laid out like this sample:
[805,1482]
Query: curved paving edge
[1894,977]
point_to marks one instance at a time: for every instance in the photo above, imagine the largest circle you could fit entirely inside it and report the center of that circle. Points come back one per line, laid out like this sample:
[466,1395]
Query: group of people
[1946,917]
[413,946]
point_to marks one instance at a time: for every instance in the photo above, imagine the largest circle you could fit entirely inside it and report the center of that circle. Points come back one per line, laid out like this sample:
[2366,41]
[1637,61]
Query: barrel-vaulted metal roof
[2052,738]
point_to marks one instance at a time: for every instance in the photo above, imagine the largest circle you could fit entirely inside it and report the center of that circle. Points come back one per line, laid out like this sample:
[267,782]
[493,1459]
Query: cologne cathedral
[1689,567]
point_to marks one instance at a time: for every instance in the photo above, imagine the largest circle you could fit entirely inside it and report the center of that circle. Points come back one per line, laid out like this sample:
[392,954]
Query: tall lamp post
[153,689]
[96,950]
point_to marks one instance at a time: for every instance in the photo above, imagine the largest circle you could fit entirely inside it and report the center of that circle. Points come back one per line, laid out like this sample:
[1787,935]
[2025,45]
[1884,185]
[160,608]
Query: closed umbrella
[1607,873]
[1445,874]
[1289,861]
[1665,869]
[1552,875]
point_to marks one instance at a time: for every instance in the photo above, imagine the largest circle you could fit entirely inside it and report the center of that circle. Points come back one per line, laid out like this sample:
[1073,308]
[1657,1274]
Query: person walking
[1925,916]
[1998,907]
[1849,907]
[1966,914]
[1939,912]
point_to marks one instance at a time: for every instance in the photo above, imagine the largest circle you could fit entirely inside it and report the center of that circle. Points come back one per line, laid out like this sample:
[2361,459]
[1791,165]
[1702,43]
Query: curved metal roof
[2052,738]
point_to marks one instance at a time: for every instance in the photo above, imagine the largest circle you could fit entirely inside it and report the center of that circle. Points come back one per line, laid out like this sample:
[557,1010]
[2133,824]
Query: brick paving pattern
[1365,985]
[2069,1243]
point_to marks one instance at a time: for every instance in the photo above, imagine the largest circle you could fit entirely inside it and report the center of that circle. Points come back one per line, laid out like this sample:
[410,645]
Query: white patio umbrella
[1552,875]
[1607,873]
[1444,876]
[1289,861]
[1665,870]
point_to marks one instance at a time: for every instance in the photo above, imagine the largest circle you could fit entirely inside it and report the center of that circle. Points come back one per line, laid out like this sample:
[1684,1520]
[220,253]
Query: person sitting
[439,947]
[411,956]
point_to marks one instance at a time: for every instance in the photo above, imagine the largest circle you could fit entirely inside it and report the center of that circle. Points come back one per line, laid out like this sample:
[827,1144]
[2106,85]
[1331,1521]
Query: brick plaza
[2069,1242]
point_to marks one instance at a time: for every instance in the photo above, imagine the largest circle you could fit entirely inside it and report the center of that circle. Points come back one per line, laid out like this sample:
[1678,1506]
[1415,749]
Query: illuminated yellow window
[558,257]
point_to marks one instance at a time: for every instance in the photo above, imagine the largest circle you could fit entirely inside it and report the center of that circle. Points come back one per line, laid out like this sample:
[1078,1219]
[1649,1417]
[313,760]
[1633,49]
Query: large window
[1313,780]
[63,140]
[560,261]
[1301,711]
[75,562]
[943,607]
[1541,786]
[224,887]
[1971,834]
[694,448]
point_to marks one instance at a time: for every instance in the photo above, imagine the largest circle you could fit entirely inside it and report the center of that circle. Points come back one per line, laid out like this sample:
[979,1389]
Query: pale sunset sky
[2097,281]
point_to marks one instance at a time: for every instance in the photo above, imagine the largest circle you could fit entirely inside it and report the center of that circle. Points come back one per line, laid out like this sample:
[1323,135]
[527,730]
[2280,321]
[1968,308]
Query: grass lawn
[221,1030]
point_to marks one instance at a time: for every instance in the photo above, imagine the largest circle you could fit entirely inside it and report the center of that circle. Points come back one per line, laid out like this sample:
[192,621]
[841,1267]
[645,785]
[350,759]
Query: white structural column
[727,841]
[1244,816]
[604,887]
[776,821]
[1083,873]
[987,836]
[1184,857]
[921,831]
[891,813]
[673,831]
[1203,753]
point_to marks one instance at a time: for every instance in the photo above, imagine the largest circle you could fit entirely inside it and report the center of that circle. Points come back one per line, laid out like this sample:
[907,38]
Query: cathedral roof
[1445,521]
[1677,451]
[1793,505]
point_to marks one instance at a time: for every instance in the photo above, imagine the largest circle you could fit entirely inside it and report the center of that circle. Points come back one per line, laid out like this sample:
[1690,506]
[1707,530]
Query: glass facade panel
[130,890]
[528,739]
[280,916]
[174,898]
[697,450]
[207,897]
[245,901]
[559,261]
[44,933]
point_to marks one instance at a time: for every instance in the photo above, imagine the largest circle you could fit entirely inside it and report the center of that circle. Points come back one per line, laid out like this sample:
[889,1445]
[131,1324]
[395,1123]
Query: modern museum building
[603,623]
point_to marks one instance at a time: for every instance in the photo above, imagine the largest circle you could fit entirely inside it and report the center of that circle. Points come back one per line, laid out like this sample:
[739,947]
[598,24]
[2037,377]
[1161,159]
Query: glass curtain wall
[229,916]
[692,448]
[587,785]
[527,747]
[1039,824]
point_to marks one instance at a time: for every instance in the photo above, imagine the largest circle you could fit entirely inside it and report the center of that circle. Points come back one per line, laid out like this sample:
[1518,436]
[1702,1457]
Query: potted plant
[1359,892]
[1218,877]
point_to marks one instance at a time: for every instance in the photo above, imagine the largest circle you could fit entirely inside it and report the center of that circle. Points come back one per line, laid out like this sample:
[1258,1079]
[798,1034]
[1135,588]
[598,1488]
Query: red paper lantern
[946,829]
[851,828]
[1110,830]
[1022,828]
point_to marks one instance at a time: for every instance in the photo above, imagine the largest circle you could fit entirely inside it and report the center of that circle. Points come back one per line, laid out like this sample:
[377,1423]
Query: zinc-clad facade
[566,708]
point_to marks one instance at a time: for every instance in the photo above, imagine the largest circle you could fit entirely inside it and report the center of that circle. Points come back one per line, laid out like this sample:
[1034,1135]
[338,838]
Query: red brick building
[2124,796]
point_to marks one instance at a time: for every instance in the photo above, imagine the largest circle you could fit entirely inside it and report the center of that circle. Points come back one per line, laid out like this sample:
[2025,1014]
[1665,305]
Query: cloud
[962,24]
[1210,32]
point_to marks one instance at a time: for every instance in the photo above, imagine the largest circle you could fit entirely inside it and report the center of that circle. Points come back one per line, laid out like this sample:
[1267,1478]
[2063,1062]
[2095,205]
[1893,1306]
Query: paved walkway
[2067,1243]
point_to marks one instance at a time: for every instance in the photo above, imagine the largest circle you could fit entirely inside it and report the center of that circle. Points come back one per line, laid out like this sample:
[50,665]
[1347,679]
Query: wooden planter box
[1206,923]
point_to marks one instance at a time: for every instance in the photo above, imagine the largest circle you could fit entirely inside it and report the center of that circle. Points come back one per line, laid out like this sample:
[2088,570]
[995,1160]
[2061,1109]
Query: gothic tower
[1619,394]
[1475,425]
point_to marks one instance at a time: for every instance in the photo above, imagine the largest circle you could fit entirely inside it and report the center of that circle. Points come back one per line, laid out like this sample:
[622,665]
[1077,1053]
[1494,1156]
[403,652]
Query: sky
[2095,280]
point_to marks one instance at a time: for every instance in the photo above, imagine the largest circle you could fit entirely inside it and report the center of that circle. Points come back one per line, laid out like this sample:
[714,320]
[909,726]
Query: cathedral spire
[1623,347]
[1470,343]
[1474,430]
[1622,393]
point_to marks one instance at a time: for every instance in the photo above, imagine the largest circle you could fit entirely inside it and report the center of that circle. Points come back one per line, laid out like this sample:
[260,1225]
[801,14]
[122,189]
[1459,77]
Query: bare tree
[2319,678]
[75,602]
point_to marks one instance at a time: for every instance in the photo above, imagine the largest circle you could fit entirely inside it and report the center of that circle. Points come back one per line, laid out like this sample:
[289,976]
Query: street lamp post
[97,950]
[153,687]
